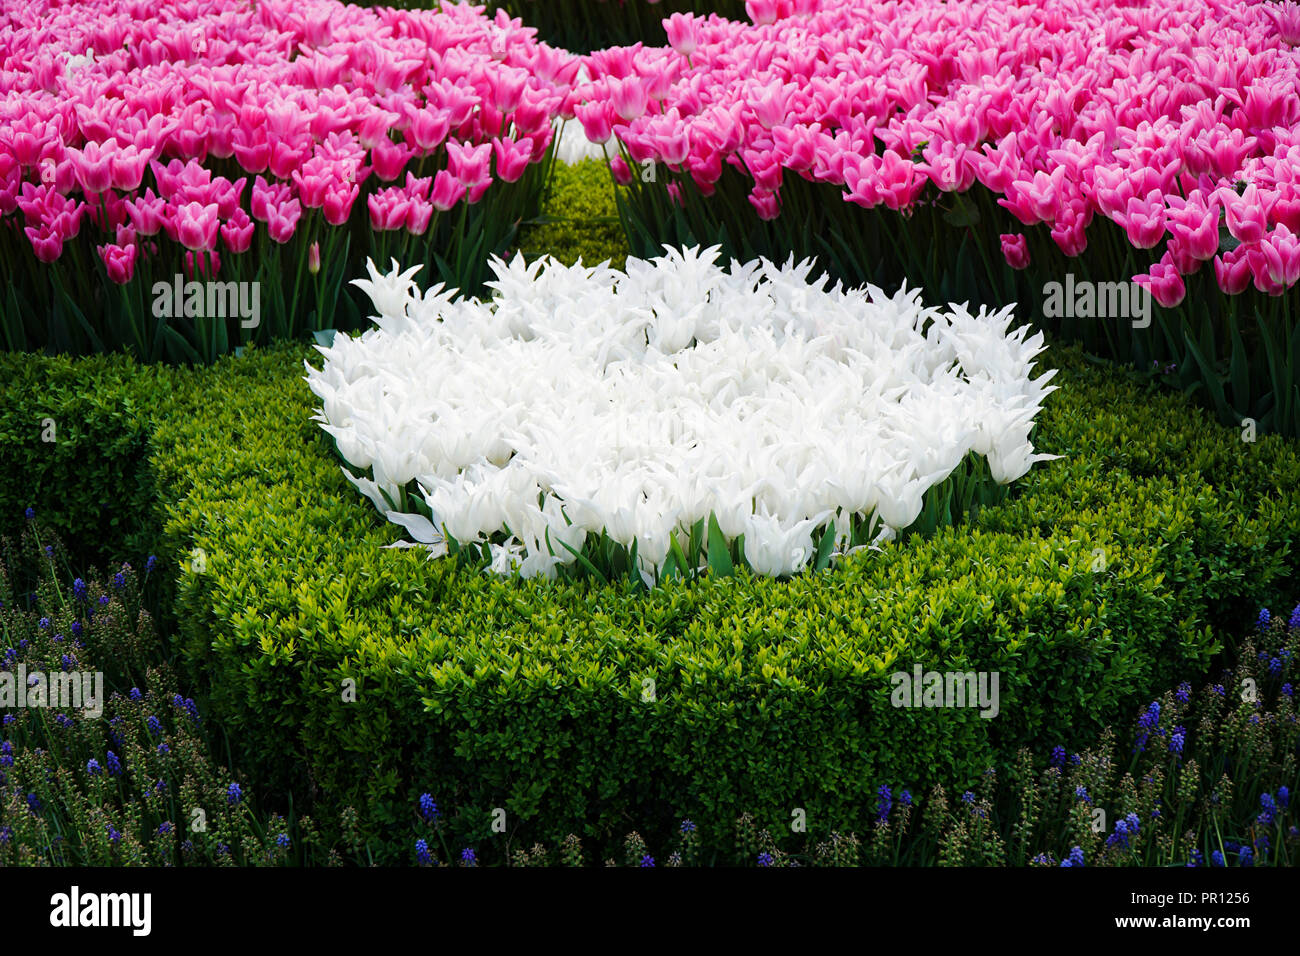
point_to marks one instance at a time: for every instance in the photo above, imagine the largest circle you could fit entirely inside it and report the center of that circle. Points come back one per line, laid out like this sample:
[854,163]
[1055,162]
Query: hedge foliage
[766,695]
[1104,578]
[581,219]
[74,445]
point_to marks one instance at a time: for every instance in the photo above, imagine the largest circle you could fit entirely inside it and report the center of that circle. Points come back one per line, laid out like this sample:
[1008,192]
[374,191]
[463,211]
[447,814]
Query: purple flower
[884,802]
[1176,741]
[428,809]
[422,854]
[234,794]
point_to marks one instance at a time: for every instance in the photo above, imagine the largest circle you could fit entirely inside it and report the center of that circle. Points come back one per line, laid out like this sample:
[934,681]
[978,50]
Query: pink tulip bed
[981,149]
[279,142]
[416,516]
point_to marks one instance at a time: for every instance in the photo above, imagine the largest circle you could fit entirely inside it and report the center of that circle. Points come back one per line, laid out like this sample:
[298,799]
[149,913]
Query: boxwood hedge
[589,708]
[74,445]
[577,707]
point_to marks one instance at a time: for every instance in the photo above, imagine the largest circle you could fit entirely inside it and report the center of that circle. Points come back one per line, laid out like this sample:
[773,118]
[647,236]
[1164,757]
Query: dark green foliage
[92,484]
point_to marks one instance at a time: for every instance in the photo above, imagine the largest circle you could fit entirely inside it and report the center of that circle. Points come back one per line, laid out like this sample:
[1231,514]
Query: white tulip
[582,399]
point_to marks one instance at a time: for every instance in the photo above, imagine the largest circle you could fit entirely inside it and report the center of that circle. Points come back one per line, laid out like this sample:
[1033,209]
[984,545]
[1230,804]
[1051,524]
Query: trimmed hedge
[93,483]
[767,696]
[581,218]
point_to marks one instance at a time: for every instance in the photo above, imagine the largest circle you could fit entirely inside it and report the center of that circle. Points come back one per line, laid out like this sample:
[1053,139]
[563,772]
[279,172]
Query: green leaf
[824,548]
[719,554]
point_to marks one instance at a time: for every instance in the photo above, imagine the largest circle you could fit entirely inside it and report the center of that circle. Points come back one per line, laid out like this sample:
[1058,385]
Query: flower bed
[583,410]
[1112,140]
[532,696]
[227,142]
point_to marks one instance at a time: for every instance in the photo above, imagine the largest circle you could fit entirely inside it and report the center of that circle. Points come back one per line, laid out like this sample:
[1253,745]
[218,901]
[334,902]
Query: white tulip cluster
[578,399]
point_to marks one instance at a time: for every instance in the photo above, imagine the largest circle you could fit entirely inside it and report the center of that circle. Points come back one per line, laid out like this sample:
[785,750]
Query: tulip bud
[313,258]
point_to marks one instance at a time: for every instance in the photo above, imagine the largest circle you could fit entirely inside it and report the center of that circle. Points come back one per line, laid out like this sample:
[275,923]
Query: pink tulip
[1247,214]
[119,261]
[596,121]
[447,191]
[770,106]
[282,220]
[389,210]
[1015,250]
[237,231]
[419,214]
[46,242]
[622,172]
[196,226]
[339,199]
[1232,271]
[1195,225]
[469,164]
[1281,249]
[899,184]
[762,12]
[93,166]
[1144,220]
[313,258]
[512,158]
[628,98]
[428,128]
[314,180]
[390,159]
[126,167]
[1164,283]
[682,33]
[1286,16]
[266,197]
